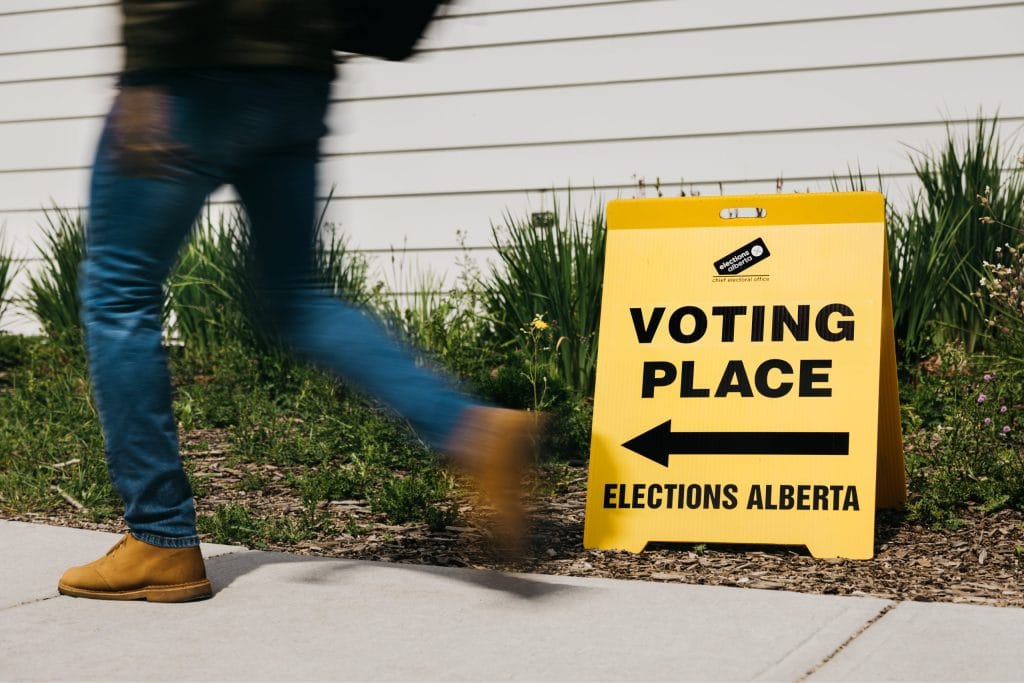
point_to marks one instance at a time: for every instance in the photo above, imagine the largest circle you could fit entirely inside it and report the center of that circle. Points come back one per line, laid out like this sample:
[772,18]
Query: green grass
[49,432]
[237,524]
[275,411]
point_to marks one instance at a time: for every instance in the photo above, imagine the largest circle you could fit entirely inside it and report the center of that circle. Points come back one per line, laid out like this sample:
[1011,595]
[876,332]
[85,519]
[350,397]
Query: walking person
[218,92]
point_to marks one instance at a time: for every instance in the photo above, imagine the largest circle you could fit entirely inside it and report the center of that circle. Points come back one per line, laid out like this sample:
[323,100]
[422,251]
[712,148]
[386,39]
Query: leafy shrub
[969,204]
[53,292]
[975,452]
[552,267]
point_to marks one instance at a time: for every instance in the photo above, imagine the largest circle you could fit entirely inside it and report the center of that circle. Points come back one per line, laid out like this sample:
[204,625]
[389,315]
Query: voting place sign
[746,375]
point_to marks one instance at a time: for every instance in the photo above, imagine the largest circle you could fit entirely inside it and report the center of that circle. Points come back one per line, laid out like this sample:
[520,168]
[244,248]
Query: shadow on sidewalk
[223,570]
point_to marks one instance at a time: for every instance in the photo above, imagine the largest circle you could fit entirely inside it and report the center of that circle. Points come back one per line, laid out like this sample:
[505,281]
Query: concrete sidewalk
[283,617]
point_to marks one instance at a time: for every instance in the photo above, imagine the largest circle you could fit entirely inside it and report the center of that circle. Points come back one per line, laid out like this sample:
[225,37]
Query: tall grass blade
[53,290]
[342,272]
[969,204]
[8,270]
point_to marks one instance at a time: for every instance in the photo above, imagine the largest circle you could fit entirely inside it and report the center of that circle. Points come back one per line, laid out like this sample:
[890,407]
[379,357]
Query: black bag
[381,28]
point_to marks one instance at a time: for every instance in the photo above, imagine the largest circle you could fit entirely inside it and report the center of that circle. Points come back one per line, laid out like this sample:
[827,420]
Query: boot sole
[180,592]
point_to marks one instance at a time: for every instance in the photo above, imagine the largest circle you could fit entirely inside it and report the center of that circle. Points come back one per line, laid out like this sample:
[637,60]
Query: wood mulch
[980,562]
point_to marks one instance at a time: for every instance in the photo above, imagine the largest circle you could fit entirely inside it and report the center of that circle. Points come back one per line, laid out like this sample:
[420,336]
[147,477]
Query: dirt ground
[980,562]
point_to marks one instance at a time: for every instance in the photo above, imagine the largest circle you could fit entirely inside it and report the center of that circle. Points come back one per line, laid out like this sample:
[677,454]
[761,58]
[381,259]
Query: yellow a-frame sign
[746,375]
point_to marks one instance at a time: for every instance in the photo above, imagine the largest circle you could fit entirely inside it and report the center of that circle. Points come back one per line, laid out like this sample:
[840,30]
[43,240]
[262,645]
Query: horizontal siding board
[640,18]
[701,12]
[486,23]
[680,56]
[707,159]
[431,222]
[47,99]
[11,7]
[779,48]
[96,26]
[60,65]
[743,104]
[47,145]
[703,160]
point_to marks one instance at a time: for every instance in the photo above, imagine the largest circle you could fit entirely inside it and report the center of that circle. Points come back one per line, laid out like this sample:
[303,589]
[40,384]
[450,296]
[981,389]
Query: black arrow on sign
[659,443]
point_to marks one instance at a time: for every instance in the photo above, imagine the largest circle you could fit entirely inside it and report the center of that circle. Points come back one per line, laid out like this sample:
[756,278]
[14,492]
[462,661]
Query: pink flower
[1006,429]
[987,421]
[981,398]
[987,377]
[1002,409]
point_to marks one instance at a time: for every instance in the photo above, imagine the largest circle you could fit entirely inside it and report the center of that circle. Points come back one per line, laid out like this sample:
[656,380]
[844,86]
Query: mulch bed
[979,562]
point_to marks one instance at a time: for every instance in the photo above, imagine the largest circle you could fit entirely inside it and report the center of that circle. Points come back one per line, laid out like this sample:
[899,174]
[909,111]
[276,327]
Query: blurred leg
[278,190]
[135,227]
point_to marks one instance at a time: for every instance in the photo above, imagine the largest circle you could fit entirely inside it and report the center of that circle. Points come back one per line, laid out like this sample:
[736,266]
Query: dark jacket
[172,34]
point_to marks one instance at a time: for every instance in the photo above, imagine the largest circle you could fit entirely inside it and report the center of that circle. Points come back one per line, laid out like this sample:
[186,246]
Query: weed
[200,483]
[236,524]
[419,496]
[354,528]
[329,483]
[251,482]
[230,523]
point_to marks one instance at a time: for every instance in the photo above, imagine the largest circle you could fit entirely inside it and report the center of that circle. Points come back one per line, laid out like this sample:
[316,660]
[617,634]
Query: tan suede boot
[134,570]
[494,447]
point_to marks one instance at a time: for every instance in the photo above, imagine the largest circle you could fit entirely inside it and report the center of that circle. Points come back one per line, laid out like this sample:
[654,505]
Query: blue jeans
[258,130]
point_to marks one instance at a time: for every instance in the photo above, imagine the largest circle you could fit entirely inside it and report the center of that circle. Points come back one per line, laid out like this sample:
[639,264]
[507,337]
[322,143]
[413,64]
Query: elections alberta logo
[733,264]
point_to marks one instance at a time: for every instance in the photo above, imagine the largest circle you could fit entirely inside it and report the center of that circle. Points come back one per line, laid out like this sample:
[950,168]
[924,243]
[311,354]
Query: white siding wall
[513,99]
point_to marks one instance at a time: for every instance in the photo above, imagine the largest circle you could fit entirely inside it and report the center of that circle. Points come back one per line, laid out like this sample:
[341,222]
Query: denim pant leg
[134,231]
[278,190]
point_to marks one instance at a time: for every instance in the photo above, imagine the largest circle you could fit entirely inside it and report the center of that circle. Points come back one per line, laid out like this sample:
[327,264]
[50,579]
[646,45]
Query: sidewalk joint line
[30,602]
[857,634]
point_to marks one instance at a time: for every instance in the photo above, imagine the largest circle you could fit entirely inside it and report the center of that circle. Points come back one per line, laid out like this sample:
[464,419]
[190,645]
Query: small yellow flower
[539,324]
